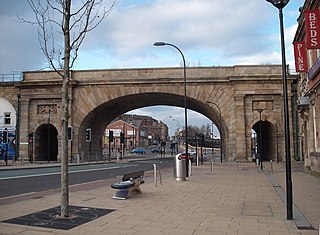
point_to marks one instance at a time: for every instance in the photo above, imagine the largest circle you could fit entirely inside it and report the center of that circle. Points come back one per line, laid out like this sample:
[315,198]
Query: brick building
[138,131]
[309,93]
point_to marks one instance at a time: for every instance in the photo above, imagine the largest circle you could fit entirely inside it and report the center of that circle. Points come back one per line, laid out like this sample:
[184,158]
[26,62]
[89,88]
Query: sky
[208,32]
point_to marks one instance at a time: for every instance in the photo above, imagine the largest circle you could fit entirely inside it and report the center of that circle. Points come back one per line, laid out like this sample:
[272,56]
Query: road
[27,181]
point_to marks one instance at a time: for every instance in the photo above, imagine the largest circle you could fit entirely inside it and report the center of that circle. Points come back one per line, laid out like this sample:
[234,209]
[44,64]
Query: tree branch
[49,18]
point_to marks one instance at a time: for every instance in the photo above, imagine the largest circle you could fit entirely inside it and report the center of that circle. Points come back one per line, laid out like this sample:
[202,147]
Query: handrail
[11,77]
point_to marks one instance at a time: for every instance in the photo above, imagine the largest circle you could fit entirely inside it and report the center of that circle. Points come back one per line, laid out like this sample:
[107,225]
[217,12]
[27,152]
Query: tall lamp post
[177,137]
[220,126]
[280,4]
[178,125]
[185,99]
[260,139]
[212,148]
[166,133]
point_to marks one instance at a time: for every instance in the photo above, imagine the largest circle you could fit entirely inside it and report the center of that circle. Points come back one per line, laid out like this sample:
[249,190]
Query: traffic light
[5,136]
[70,133]
[88,135]
[30,137]
[172,145]
[121,137]
[110,136]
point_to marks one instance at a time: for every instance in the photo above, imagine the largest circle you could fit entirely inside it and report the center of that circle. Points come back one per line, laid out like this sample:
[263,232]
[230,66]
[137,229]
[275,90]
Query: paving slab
[226,202]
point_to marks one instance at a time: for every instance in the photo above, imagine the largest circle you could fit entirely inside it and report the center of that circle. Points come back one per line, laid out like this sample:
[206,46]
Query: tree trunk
[65,116]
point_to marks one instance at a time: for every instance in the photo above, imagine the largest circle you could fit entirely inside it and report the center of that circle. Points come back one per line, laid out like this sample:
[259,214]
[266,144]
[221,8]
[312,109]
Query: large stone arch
[102,115]
[101,92]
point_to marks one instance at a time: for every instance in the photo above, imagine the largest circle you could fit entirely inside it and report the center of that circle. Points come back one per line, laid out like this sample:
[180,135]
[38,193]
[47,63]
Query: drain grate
[51,218]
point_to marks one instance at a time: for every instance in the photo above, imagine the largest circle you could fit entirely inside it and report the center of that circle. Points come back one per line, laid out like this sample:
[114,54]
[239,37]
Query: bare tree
[61,33]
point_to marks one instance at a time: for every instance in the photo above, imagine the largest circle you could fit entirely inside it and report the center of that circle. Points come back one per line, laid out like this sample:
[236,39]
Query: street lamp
[177,137]
[212,148]
[260,139]
[185,98]
[220,126]
[175,120]
[280,4]
[165,133]
[48,125]
[133,137]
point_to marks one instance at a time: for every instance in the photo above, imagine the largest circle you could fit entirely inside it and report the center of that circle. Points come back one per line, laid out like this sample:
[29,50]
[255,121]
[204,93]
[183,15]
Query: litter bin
[180,170]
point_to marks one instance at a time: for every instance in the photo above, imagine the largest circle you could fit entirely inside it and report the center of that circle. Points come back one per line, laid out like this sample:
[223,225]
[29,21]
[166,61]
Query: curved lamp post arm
[177,122]
[185,96]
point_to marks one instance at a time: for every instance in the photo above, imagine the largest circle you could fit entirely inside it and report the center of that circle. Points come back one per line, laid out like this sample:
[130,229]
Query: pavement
[233,198]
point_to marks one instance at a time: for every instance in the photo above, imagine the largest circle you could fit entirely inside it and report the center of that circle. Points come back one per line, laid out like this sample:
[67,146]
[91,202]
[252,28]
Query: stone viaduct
[96,97]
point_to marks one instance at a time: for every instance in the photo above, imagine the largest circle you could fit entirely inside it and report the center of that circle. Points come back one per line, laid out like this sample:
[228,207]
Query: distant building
[130,136]
[138,131]
[309,94]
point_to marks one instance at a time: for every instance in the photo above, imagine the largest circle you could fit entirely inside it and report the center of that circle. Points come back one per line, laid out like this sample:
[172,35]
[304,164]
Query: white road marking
[92,182]
[19,195]
[31,193]
[58,173]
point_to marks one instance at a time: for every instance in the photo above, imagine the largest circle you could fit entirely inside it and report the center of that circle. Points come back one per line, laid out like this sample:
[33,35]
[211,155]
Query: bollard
[211,167]
[155,175]
[238,167]
[271,166]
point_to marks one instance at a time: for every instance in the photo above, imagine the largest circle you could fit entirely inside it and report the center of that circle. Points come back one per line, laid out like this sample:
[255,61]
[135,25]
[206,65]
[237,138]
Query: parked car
[154,150]
[139,151]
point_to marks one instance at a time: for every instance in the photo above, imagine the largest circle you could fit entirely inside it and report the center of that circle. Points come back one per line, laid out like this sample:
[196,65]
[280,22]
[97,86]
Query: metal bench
[130,183]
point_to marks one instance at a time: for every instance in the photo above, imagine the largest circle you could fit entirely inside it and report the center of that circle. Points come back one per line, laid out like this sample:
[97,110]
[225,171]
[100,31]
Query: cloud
[173,117]
[212,32]
[19,44]
[199,24]
[208,32]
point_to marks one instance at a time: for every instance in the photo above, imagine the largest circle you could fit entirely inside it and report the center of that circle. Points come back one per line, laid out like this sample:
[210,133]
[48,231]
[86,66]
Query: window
[7,118]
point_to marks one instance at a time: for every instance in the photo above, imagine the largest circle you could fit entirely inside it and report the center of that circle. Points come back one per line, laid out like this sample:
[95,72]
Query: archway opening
[46,143]
[264,140]
[98,119]
[155,125]
[8,125]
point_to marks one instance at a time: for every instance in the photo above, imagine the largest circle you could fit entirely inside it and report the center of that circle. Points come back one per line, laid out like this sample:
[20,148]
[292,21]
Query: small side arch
[46,143]
[265,142]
